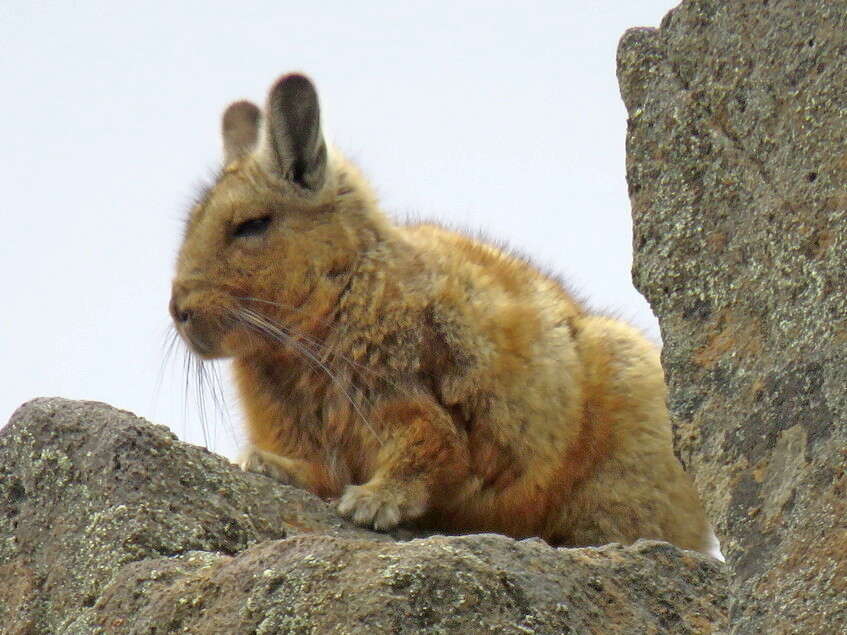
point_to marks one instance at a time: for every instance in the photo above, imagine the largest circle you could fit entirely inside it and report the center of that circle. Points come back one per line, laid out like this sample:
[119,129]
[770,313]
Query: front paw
[252,459]
[381,507]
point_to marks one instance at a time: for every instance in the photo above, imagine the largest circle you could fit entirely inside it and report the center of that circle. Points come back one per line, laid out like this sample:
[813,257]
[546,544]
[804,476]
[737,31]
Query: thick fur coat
[415,374]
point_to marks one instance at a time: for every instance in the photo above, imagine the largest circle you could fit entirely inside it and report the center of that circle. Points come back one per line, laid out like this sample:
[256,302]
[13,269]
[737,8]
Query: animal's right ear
[294,128]
[240,129]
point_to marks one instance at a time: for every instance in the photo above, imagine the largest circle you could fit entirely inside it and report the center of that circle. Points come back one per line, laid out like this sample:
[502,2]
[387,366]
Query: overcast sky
[504,117]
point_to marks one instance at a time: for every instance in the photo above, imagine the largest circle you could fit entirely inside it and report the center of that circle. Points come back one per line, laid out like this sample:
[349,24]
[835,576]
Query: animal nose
[180,314]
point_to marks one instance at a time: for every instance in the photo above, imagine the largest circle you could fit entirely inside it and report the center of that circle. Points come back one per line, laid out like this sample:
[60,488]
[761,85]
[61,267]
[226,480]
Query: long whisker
[287,307]
[200,390]
[219,399]
[280,333]
[202,382]
[264,326]
[169,343]
[187,364]
[319,346]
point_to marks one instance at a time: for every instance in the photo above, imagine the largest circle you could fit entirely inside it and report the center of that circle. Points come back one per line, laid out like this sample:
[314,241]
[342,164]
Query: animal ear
[294,127]
[240,129]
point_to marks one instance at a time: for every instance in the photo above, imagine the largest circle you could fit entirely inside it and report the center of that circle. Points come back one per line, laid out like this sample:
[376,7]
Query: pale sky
[499,116]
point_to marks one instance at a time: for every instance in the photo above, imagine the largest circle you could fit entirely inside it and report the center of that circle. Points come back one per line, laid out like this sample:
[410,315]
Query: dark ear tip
[293,86]
[240,113]
[293,79]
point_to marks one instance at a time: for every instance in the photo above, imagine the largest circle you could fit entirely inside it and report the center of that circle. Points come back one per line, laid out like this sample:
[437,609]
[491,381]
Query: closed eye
[252,227]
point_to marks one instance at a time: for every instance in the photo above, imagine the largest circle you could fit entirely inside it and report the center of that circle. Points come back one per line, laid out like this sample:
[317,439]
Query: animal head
[272,242]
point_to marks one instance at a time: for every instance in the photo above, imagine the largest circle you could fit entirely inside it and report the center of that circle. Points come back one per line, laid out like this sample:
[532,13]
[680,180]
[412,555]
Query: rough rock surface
[108,524]
[737,171]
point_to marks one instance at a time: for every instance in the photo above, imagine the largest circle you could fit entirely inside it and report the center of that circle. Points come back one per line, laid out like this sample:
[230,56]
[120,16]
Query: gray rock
[87,489]
[737,172]
[108,524]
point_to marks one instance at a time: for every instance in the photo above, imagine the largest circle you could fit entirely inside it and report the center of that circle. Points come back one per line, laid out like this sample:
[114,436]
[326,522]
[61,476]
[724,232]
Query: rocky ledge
[109,524]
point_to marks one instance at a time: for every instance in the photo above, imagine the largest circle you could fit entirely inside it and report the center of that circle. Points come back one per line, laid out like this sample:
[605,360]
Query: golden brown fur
[416,374]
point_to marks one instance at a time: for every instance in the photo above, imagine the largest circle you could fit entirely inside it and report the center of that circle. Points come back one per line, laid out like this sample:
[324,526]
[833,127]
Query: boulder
[109,524]
[737,174]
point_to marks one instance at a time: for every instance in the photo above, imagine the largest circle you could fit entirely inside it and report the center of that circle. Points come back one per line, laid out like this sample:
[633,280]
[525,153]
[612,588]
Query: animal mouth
[202,335]
[195,342]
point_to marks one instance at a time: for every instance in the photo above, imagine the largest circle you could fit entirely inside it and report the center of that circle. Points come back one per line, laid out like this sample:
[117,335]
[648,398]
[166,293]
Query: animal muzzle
[196,325]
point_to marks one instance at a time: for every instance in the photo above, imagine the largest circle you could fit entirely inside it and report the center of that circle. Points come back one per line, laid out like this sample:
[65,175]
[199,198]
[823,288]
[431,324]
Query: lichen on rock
[109,524]
[737,173]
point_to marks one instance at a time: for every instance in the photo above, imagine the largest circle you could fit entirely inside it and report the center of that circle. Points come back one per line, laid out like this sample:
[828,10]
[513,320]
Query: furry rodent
[418,375]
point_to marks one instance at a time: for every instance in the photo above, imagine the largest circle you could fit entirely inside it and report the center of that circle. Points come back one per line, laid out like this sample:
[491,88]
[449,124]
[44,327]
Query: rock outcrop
[737,172]
[109,524]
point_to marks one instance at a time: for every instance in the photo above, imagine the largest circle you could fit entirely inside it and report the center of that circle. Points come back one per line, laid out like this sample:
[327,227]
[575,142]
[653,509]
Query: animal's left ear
[294,128]
[240,129]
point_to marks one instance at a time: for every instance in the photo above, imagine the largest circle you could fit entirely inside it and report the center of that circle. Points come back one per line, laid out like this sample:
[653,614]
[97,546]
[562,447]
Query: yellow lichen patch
[737,336]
